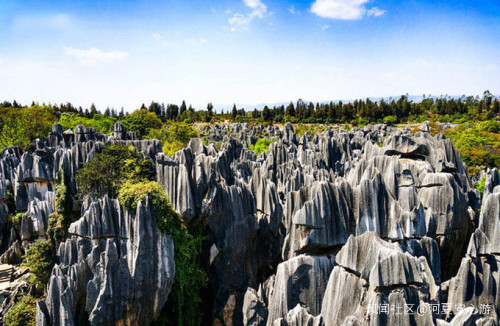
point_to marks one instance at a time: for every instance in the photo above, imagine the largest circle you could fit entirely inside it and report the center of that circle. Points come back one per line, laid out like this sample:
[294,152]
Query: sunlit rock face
[326,229]
[117,267]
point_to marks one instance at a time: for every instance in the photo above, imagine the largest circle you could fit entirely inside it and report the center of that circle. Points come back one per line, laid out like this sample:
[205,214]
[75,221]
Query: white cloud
[159,38]
[94,55]
[240,20]
[375,12]
[344,9]
[292,10]
[203,40]
[325,27]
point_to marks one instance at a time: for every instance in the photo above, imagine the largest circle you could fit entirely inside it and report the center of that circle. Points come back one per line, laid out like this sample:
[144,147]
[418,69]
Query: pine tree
[183,108]
[234,112]
[93,110]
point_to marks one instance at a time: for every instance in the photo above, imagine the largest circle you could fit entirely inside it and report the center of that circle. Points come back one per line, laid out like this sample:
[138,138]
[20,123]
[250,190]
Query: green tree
[39,258]
[141,121]
[266,114]
[111,168]
[390,120]
[99,122]
[21,126]
[234,112]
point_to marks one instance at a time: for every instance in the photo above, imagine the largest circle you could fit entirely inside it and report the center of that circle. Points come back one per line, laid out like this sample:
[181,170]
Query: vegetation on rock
[23,313]
[185,298]
[110,169]
[261,146]
[174,137]
[39,258]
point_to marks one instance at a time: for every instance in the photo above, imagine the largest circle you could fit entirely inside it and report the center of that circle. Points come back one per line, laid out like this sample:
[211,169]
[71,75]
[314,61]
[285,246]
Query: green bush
[173,138]
[110,169]
[141,121]
[57,228]
[23,313]
[131,193]
[21,126]
[390,120]
[481,185]
[39,258]
[261,146]
[189,276]
[17,219]
[490,126]
[99,122]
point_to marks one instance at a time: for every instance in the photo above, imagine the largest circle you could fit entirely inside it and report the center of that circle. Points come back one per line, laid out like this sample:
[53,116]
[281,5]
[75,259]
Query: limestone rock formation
[336,228]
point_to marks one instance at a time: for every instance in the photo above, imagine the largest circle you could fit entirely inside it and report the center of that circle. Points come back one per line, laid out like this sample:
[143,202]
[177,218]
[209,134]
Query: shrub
[39,258]
[21,126]
[141,121]
[57,228]
[261,146]
[189,276]
[110,169]
[490,126]
[481,185]
[63,199]
[390,120]
[17,219]
[99,122]
[173,138]
[23,313]
[131,193]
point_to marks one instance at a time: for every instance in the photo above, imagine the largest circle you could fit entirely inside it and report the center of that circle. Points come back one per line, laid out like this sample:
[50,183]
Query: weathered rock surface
[116,268]
[320,229]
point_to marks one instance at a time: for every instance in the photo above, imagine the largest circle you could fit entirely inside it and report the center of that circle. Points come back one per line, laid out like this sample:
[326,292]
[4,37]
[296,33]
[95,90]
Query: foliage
[261,146]
[99,122]
[174,138]
[108,170]
[21,126]
[63,198]
[390,120]
[131,193]
[477,145]
[189,276]
[141,121]
[17,219]
[39,258]
[311,129]
[182,132]
[489,126]
[57,229]
[23,313]
[481,185]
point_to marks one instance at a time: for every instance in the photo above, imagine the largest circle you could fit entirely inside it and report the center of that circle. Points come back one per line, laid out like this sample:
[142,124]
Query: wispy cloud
[159,38]
[259,9]
[375,12]
[325,27]
[292,10]
[94,56]
[344,9]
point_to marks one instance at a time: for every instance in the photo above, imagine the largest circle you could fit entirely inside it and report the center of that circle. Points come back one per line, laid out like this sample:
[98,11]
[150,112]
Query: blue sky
[245,51]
